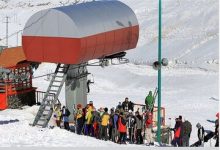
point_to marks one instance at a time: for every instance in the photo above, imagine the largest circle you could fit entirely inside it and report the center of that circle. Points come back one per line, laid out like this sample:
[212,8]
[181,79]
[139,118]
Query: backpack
[186,128]
[111,121]
[123,121]
[67,112]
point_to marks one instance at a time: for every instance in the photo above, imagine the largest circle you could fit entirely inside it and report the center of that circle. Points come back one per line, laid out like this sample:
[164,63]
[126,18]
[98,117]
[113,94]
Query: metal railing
[40,96]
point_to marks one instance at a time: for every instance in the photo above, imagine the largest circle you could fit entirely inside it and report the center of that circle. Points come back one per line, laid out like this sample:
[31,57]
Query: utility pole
[159,73]
[7,30]
[17,37]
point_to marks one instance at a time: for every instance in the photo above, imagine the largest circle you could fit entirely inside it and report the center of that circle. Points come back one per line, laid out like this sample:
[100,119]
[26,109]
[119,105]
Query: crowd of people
[124,125]
[120,124]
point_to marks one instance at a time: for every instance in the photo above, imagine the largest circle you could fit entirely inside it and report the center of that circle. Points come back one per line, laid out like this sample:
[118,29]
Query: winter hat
[79,106]
[130,111]
[198,125]
[106,109]
[101,109]
[217,115]
[112,109]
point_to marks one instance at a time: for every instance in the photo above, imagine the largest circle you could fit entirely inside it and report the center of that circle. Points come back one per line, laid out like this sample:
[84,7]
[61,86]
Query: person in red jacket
[177,129]
[148,130]
[122,128]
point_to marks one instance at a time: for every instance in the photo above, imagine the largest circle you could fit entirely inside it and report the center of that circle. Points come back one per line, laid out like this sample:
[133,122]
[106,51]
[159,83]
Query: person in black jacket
[201,133]
[131,120]
[217,130]
[125,105]
[186,129]
[111,123]
[65,117]
[131,106]
[138,127]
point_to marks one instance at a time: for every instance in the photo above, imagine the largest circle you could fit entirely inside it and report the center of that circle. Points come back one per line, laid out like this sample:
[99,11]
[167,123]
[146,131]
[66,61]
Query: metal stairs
[46,109]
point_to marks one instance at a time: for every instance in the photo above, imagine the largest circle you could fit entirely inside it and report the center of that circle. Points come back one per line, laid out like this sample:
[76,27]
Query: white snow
[189,84]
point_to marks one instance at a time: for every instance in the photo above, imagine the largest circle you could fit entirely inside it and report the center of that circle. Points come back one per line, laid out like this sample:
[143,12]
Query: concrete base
[75,89]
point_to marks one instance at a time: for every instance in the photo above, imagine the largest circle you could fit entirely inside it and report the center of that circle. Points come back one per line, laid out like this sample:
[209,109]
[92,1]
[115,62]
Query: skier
[96,123]
[89,117]
[79,119]
[57,115]
[176,140]
[88,85]
[201,134]
[115,133]
[101,111]
[119,106]
[131,120]
[149,100]
[91,104]
[104,124]
[65,117]
[111,123]
[125,105]
[122,128]
[148,130]
[217,130]
[139,124]
[186,129]
[131,106]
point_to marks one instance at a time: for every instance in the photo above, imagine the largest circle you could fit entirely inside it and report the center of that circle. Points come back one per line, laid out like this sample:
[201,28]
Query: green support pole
[159,74]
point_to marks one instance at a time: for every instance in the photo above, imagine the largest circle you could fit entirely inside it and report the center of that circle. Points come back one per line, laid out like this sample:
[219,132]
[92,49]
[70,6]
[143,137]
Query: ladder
[46,109]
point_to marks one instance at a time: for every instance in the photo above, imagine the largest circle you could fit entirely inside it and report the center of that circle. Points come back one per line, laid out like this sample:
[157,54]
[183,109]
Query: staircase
[46,109]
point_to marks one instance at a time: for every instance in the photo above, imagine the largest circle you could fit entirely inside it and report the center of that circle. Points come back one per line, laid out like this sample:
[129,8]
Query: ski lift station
[69,36]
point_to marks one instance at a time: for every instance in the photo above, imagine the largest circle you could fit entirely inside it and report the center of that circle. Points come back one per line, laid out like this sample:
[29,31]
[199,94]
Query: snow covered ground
[189,84]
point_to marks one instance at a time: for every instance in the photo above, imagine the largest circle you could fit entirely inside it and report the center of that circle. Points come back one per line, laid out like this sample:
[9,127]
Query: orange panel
[110,38]
[135,36]
[14,56]
[79,50]
[91,47]
[118,41]
[33,48]
[51,50]
[70,50]
[100,47]
[3,101]
[83,50]
[55,49]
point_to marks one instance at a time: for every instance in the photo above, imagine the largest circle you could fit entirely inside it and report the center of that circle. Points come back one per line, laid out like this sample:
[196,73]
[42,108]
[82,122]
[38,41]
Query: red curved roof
[78,33]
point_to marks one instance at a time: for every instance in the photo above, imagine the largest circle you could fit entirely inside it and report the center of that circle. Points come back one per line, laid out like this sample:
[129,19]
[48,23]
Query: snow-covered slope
[189,84]
[190,30]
